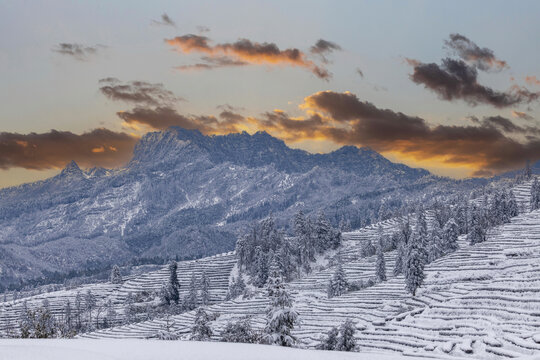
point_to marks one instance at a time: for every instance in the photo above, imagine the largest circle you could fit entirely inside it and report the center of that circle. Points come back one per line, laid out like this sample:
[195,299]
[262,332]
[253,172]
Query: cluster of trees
[81,316]
[340,338]
[294,255]
[198,292]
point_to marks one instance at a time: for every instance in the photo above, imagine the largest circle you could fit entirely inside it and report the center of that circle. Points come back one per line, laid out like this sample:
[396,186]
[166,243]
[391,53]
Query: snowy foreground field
[108,349]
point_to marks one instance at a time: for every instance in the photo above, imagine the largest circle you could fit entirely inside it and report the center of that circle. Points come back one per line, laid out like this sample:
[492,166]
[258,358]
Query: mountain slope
[187,195]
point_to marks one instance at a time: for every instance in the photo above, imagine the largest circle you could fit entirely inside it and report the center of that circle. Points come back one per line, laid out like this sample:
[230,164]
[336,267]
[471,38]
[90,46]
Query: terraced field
[217,268]
[482,301]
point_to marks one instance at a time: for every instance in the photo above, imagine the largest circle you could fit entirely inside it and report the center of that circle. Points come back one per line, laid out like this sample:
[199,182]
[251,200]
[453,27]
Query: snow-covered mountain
[187,195]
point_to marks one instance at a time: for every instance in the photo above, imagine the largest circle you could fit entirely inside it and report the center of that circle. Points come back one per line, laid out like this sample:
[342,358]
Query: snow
[56,349]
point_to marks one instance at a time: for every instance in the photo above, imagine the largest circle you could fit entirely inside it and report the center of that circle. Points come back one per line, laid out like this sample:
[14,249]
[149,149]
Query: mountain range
[187,195]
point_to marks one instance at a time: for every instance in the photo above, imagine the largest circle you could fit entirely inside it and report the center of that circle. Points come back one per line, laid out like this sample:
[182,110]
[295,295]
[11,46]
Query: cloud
[248,52]
[139,92]
[164,117]
[165,21]
[532,80]
[54,149]
[454,79]
[203,29]
[481,58]
[212,63]
[521,115]
[77,51]
[324,47]
[496,144]
[360,72]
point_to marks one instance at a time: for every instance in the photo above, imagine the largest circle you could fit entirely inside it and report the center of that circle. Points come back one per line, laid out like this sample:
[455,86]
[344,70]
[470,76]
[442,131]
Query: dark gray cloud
[203,29]
[323,48]
[139,92]
[163,117]
[165,20]
[77,51]
[454,79]
[54,149]
[212,63]
[482,58]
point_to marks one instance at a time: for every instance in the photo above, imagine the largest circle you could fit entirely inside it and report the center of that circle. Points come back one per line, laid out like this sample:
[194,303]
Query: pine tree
[477,232]
[339,283]
[173,288]
[116,276]
[400,258]
[239,332]
[450,236]
[129,309]
[110,316]
[422,233]
[323,233]
[280,317]
[261,267]
[527,172]
[236,288]
[205,289]
[512,205]
[346,340]
[331,340]
[191,300]
[436,244]
[201,330]
[414,266]
[380,265]
[90,304]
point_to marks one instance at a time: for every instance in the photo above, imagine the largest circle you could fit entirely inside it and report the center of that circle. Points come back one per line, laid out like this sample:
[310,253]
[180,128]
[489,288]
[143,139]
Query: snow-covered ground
[107,349]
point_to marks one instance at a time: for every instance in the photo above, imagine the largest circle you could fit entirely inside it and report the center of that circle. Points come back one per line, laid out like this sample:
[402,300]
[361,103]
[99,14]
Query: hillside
[480,301]
[185,195]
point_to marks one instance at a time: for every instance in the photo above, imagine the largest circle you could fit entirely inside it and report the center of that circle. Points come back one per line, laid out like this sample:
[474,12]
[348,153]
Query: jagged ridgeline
[185,195]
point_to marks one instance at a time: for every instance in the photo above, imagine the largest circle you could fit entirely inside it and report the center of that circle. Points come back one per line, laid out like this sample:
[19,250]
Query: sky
[450,87]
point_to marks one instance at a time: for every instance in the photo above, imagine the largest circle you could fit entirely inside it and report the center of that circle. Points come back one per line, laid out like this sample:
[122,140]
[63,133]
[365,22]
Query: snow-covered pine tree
[339,283]
[261,267]
[477,232]
[330,341]
[236,287]
[173,287]
[414,265]
[323,233]
[201,330]
[527,172]
[280,316]
[191,300]
[110,315]
[90,305]
[421,233]
[205,289]
[400,258]
[436,244]
[367,249]
[129,309]
[346,340]
[240,332]
[116,276]
[512,206]
[450,236]
[380,264]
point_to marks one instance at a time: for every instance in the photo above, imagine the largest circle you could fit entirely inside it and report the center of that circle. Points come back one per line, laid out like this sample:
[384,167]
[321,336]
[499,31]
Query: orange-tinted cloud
[246,51]
[99,147]
[496,144]
[532,80]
